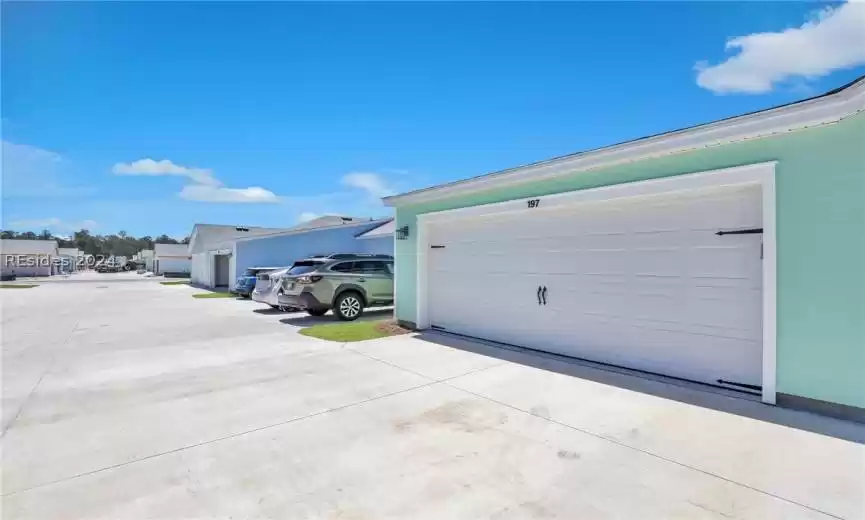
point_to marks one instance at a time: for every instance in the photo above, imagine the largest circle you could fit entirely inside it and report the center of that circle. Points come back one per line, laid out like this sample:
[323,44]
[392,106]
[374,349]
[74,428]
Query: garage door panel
[726,260]
[729,309]
[644,283]
[477,301]
[601,261]
[603,300]
[611,340]
[667,261]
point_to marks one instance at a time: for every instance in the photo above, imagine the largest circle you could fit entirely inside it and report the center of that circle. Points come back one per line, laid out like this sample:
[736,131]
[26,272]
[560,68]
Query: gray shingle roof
[28,247]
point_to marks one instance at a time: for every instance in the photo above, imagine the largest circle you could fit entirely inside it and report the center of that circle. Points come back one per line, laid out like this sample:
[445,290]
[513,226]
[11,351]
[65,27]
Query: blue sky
[149,117]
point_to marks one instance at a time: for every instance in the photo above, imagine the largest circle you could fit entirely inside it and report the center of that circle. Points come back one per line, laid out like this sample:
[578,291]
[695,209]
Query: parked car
[344,283]
[245,283]
[267,287]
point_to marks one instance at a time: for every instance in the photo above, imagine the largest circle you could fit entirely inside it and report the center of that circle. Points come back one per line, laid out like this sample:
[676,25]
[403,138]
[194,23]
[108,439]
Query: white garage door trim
[762,174]
[211,266]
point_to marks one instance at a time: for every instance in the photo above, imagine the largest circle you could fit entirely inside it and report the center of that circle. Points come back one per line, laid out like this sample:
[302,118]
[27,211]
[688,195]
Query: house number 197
[534,203]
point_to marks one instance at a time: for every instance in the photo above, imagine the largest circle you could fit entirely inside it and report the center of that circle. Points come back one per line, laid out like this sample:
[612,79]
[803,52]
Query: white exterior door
[641,282]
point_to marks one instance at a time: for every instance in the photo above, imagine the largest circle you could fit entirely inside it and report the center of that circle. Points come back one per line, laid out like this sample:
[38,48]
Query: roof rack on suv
[341,256]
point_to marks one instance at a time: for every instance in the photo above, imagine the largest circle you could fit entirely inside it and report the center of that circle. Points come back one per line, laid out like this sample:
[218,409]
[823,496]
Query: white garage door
[644,283]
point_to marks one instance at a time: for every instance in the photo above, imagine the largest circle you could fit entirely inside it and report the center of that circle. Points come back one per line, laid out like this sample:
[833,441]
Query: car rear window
[304,267]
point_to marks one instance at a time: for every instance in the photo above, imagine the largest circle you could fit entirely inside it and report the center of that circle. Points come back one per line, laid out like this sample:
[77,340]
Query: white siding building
[211,247]
[341,236]
[221,253]
[29,257]
[145,256]
[68,259]
[171,259]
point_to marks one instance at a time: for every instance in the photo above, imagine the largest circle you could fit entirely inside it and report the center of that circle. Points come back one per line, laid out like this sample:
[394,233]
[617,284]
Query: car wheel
[348,306]
[316,312]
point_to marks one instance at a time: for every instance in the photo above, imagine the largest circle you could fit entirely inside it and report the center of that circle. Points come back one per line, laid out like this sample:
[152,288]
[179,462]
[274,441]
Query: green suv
[345,283]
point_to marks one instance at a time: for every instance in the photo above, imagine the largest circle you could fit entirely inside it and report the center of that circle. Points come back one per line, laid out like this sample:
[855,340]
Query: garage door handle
[539,295]
[544,294]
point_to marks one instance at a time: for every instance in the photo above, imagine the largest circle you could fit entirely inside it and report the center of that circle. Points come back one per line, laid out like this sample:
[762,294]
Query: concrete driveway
[133,400]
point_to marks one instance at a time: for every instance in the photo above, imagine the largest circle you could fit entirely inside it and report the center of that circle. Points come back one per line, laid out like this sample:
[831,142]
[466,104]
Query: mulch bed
[391,328]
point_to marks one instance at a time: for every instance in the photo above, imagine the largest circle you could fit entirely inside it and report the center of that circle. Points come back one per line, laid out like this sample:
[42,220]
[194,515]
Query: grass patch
[18,285]
[178,282]
[214,295]
[354,331]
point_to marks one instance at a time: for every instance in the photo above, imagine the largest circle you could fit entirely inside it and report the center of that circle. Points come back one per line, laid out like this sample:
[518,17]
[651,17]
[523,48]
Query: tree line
[120,244]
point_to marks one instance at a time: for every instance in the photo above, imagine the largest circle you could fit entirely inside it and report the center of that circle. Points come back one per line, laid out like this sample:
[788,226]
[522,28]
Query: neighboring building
[378,238]
[68,259]
[144,258]
[147,256]
[211,247]
[29,257]
[335,236]
[227,259]
[171,259]
[730,253]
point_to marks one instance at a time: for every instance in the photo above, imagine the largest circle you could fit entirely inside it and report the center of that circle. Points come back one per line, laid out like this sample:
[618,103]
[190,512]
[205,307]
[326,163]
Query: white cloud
[29,171]
[204,193]
[165,167]
[53,224]
[306,216]
[372,183]
[204,188]
[834,39]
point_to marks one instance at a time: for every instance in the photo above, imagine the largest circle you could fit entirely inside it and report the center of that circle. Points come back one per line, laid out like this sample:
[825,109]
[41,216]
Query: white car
[268,287]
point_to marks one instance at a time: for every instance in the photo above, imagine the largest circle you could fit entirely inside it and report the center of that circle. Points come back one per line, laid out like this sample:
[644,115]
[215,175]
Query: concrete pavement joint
[649,453]
[470,372]
[219,439]
[48,368]
[388,363]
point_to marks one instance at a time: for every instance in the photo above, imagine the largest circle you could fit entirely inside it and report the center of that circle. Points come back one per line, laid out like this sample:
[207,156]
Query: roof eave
[368,231]
[310,230]
[825,109]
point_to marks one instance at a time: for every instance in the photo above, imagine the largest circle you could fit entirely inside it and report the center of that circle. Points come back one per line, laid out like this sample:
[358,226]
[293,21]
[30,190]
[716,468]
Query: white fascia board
[806,114]
[193,239]
[373,237]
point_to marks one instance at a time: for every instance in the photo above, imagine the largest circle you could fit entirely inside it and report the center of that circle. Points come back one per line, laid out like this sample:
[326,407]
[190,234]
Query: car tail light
[308,279]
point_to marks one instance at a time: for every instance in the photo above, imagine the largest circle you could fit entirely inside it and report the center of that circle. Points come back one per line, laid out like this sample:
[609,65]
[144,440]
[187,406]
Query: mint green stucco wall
[820,184]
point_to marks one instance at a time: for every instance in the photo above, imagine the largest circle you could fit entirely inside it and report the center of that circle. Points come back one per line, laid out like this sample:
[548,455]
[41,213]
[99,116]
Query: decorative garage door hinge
[752,231]
[437,247]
